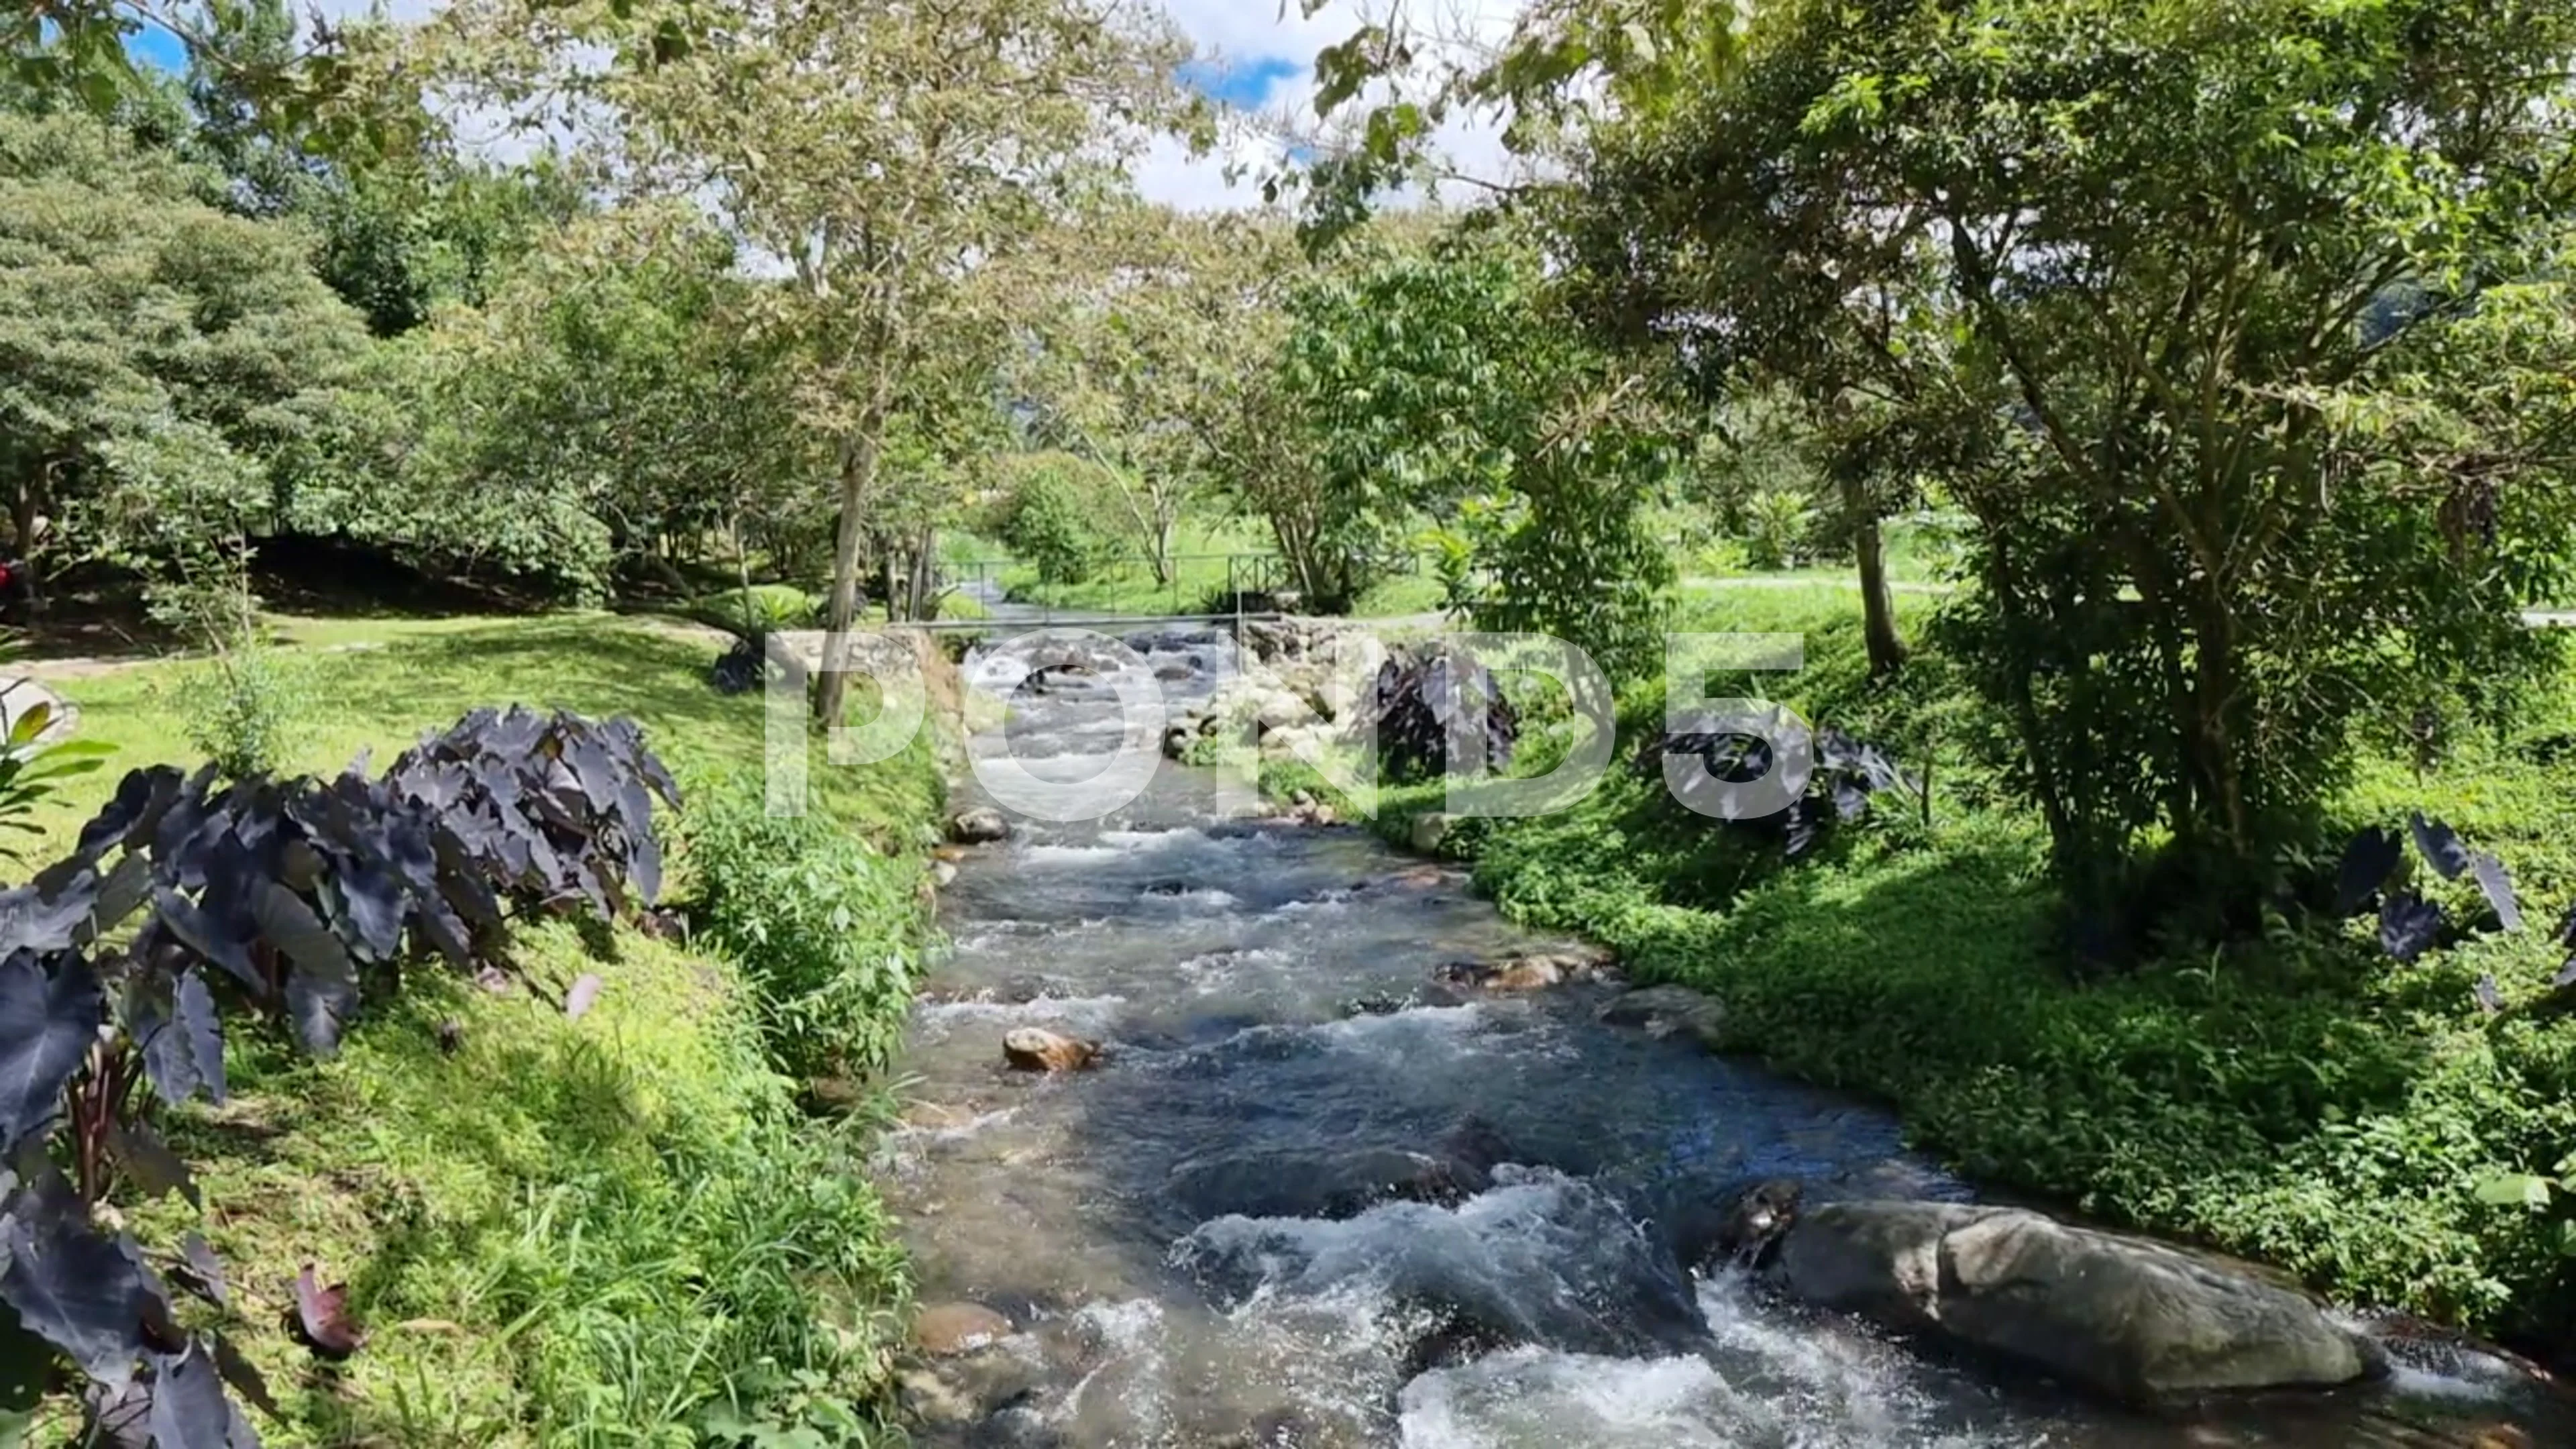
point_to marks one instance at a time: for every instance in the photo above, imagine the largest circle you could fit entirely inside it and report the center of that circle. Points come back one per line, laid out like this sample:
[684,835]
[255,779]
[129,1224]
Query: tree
[882,154]
[157,357]
[1145,324]
[2123,274]
[1447,386]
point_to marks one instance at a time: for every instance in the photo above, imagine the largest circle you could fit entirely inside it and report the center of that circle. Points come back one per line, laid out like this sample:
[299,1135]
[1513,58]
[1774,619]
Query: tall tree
[2126,274]
[1146,326]
[1448,387]
[879,153]
[157,358]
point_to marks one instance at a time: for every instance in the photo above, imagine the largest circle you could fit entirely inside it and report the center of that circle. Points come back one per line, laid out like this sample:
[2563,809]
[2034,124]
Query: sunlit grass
[563,1232]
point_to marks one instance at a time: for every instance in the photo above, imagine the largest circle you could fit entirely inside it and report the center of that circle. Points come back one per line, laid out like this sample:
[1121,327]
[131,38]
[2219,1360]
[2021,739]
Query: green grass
[574,1233]
[2299,1100]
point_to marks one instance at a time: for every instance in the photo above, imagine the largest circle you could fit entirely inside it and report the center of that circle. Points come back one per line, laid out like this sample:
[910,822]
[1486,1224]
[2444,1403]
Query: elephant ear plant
[192,909]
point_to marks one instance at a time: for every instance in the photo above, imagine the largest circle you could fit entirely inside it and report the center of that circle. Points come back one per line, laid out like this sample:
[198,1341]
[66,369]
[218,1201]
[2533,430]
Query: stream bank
[1311,1193]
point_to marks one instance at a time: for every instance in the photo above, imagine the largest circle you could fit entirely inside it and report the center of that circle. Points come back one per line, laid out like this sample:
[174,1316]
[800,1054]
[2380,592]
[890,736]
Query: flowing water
[1184,1236]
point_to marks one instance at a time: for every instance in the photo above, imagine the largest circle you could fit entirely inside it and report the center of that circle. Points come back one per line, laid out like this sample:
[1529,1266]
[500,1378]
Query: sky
[1253,57]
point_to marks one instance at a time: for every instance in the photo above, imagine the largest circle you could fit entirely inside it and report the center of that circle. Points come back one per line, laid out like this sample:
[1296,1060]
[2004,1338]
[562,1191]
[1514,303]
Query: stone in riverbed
[1034,1049]
[948,1329]
[1667,1011]
[1524,973]
[978,827]
[1430,830]
[2126,1317]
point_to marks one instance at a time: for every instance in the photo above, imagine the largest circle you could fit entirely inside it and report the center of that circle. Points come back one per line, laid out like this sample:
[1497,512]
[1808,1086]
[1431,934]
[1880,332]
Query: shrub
[1046,520]
[1777,527]
[247,709]
[820,923]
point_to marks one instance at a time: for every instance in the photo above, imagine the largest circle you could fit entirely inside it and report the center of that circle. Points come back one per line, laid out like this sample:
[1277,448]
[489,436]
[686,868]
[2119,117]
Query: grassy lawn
[2300,1099]
[555,1232]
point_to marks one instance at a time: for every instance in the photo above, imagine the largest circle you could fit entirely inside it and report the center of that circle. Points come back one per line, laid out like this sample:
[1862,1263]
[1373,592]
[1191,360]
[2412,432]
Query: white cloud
[1246,31]
[1241,33]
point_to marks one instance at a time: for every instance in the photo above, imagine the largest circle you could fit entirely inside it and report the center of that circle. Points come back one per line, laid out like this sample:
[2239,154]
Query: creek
[1186,1234]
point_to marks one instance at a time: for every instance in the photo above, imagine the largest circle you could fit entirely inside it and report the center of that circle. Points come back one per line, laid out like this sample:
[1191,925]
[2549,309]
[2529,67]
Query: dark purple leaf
[49,1020]
[584,991]
[1851,796]
[201,1031]
[200,933]
[124,891]
[372,907]
[2408,925]
[2566,976]
[188,1406]
[32,919]
[200,1271]
[2490,997]
[136,808]
[1807,823]
[148,1162]
[322,1317]
[592,765]
[291,926]
[2367,861]
[2498,888]
[2440,846]
[245,1377]
[646,868]
[73,1287]
[123,1413]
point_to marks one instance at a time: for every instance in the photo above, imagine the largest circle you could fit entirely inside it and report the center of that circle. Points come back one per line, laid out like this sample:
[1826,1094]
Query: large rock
[1430,830]
[1524,973]
[2134,1319]
[978,827]
[1667,1011]
[1329,1185]
[955,1393]
[1035,1049]
[948,1329]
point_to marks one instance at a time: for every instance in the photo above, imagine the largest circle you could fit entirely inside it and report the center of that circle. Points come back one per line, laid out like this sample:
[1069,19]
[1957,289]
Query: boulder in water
[1035,1049]
[1667,1011]
[2133,1319]
[978,827]
[1430,830]
[1330,1186]
[1524,973]
[948,1329]
[959,1392]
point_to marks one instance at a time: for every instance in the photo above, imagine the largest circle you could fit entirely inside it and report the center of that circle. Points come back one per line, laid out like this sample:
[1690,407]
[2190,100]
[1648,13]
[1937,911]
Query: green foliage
[32,769]
[2296,1098]
[758,610]
[1777,527]
[556,1231]
[820,923]
[1447,386]
[248,709]
[2235,492]
[1050,519]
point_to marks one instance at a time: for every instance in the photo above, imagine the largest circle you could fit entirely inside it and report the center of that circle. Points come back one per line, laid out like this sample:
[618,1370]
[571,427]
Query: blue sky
[1245,83]
[1260,54]
[158,47]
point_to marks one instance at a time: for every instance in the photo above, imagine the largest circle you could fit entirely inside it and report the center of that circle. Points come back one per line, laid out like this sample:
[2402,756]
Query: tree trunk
[885,573]
[1877,601]
[1163,531]
[922,581]
[859,457]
